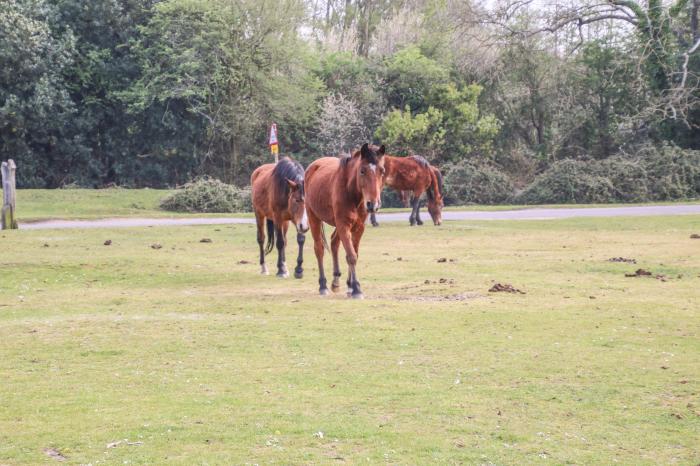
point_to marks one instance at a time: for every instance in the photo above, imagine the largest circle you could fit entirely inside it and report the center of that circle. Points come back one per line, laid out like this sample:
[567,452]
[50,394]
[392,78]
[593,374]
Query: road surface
[523,214]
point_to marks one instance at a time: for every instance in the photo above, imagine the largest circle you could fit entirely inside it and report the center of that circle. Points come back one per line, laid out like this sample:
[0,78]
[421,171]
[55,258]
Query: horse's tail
[323,237]
[270,236]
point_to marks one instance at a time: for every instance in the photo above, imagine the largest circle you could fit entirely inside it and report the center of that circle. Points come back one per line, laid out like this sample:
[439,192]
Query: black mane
[288,169]
[420,159]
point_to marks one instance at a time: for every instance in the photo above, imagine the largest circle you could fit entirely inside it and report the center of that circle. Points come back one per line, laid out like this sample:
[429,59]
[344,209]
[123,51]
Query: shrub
[208,195]
[466,183]
[568,181]
[628,178]
[674,173]
[653,173]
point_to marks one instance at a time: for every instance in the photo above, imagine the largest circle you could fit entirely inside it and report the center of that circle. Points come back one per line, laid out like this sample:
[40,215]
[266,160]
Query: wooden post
[8,195]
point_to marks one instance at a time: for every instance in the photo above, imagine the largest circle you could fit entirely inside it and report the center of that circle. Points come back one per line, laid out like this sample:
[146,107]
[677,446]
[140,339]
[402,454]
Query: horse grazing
[414,173]
[341,193]
[279,197]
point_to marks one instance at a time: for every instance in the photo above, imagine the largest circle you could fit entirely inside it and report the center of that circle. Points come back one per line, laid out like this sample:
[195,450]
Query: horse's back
[261,187]
[405,173]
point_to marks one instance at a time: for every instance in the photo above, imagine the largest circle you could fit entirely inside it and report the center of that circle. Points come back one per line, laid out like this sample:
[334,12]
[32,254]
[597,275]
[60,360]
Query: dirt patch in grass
[504,288]
[622,259]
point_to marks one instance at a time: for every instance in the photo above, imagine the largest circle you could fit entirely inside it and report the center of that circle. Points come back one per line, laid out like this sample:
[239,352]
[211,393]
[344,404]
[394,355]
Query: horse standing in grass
[414,173]
[341,193]
[279,197]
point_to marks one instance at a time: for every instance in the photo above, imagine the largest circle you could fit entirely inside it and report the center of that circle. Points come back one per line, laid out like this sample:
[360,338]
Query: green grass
[207,362]
[43,204]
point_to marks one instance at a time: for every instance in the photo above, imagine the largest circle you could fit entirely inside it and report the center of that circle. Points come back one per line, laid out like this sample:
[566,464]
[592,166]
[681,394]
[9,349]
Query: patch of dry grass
[202,360]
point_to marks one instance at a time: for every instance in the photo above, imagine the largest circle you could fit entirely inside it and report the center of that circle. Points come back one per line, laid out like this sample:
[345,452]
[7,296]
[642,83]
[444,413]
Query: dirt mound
[622,259]
[646,273]
[504,288]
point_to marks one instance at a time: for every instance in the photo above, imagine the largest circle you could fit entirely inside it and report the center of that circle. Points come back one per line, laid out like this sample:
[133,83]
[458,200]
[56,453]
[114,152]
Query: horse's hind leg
[416,207]
[317,234]
[281,245]
[299,270]
[260,220]
[335,245]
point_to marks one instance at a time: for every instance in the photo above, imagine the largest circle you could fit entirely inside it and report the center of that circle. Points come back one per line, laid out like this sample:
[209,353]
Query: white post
[8,195]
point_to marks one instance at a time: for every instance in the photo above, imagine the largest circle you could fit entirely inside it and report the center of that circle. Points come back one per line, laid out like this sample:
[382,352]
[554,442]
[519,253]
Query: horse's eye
[363,171]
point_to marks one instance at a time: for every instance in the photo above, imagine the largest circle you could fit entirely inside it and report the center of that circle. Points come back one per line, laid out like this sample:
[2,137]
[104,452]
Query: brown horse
[414,173]
[341,193]
[278,196]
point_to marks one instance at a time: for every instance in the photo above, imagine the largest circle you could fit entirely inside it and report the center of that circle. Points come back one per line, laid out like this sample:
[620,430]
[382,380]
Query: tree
[36,110]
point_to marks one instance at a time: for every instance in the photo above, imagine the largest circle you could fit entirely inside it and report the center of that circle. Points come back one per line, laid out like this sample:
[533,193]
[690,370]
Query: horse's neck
[350,182]
[390,164]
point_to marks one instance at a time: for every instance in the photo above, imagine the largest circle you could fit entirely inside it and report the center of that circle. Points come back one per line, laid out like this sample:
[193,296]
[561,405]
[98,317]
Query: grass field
[42,204]
[194,358]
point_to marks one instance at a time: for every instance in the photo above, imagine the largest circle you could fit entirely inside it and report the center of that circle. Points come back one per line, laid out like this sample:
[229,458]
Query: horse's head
[435,200]
[371,176]
[297,206]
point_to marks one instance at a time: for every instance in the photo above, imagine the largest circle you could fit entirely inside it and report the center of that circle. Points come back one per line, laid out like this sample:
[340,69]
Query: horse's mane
[420,159]
[345,160]
[438,177]
[288,169]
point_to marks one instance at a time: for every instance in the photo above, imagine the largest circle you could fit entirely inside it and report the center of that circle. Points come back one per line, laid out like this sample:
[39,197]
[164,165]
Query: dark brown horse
[279,197]
[341,193]
[414,173]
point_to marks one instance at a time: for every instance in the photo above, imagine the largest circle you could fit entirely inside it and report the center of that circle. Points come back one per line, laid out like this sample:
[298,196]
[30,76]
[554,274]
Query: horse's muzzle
[372,207]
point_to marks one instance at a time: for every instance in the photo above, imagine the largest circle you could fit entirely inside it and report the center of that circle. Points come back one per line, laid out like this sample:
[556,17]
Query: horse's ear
[364,150]
[382,150]
[292,185]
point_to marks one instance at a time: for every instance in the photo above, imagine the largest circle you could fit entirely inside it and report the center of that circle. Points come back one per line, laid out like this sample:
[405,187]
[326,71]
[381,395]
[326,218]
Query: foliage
[653,174]
[208,195]
[470,183]
[340,126]
[154,93]
[406,133]
[410,77]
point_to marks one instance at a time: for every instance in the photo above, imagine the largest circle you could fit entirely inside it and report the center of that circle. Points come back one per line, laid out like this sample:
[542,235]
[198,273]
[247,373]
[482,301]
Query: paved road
[524,214]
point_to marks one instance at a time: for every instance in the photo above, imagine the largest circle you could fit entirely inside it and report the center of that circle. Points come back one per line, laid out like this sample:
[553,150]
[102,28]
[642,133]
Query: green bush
[674,173]
[653,173]
[628,178]
[568,181]
[208,195]
[467,183]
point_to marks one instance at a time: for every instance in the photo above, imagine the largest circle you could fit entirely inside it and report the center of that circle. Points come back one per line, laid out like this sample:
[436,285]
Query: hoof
[282,274]
[375,224]
[335,288]
[263,270]
[419,222]
[357,296]
[324,292]
[298,274]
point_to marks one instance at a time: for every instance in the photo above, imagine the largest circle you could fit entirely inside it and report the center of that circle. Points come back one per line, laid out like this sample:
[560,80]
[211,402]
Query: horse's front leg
[373,219]
[418,220]
[299,270]
[281,245]
[346,236]
[414,211]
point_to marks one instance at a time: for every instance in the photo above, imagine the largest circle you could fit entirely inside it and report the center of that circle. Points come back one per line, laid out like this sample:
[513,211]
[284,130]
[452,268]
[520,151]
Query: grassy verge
[43,204]
[195,358]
